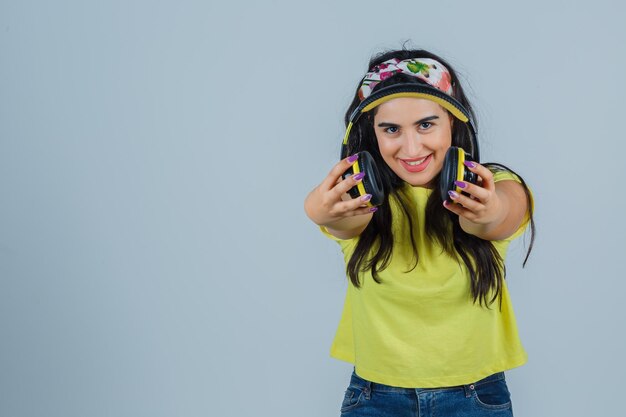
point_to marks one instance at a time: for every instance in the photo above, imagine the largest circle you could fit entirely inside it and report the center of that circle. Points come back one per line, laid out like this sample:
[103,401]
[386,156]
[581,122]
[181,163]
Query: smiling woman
[424,267]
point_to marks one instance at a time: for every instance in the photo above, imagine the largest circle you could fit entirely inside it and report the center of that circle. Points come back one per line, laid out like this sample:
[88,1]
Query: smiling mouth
[416,165]
[416,161]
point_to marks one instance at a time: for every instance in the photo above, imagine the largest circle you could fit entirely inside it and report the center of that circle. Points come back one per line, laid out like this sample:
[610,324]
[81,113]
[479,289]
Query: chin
[428,184]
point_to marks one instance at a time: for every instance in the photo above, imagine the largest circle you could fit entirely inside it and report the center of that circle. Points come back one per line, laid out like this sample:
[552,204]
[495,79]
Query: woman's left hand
[483,204]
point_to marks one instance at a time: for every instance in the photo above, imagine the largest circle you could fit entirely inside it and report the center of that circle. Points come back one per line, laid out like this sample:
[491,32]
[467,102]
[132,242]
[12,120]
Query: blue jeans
[489,397]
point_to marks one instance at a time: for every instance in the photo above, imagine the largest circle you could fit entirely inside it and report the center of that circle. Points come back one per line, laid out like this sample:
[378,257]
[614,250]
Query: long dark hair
[374,248]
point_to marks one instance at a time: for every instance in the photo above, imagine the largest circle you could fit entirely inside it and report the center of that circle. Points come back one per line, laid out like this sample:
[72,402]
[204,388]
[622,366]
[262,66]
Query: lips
[416,165]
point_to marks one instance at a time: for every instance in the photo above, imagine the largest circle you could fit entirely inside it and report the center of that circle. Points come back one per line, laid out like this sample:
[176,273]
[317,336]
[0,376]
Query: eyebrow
[420,121]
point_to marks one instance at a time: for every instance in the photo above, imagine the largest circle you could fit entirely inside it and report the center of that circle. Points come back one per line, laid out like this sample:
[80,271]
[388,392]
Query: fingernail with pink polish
[366,197]
[359,176]
[353,158]
[373,209]
[453,194]
[460,184]
[470,164]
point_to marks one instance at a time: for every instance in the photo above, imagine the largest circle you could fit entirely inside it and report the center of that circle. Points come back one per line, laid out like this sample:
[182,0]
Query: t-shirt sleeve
[508,176]
[347,245]
[326,233]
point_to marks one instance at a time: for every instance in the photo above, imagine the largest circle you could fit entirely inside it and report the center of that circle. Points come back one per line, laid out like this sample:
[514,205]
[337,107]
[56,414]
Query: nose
[413,144]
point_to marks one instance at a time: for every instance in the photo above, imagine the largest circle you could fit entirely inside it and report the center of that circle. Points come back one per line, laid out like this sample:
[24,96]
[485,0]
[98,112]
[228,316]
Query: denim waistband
[357,381]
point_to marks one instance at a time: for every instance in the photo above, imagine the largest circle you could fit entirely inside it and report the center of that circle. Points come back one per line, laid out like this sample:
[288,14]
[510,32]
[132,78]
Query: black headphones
[453,167]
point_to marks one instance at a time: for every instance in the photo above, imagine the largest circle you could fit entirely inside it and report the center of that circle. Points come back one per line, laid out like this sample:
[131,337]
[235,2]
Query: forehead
[408,107]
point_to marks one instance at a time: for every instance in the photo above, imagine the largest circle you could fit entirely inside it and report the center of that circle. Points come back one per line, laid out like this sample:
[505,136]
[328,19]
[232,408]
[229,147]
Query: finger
[483,172]
[360,202]
[369,211]
[458,209]
[345,185]
[337,171]
[466,202]
[476,191]
[355,206]
[366,210]
[348,203]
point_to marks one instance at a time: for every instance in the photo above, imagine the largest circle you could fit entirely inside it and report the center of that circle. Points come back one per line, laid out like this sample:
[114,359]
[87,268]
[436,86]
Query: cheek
[442,142]
[387,149]
[447,143]
[448,137]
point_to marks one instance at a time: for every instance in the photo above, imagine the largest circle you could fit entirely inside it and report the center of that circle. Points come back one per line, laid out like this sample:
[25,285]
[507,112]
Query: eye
[425,125]
[391,129]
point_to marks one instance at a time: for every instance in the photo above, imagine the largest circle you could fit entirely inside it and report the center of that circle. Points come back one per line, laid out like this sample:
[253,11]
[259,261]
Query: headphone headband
[416,91]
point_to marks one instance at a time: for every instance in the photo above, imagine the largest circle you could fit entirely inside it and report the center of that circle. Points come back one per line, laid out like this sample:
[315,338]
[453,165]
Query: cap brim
[415,91]
[443,103]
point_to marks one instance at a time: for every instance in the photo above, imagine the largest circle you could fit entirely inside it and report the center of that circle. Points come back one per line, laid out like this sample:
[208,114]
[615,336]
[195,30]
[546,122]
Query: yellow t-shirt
[420,329]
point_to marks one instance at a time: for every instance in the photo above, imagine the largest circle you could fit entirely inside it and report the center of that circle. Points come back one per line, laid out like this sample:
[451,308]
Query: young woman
[424,230]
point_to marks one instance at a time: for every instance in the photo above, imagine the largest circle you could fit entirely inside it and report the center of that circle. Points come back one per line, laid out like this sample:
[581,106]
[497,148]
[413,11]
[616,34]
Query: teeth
[413,163]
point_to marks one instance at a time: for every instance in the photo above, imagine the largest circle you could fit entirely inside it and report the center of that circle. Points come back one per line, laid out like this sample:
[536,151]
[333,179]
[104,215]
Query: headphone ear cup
[449,173]
[469,176]
[454,170]
[371,183]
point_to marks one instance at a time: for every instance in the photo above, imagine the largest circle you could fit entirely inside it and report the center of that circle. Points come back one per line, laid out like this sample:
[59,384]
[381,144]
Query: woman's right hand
[330,205]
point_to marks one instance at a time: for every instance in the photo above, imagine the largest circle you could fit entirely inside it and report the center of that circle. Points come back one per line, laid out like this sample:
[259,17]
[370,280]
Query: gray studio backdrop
[155,259]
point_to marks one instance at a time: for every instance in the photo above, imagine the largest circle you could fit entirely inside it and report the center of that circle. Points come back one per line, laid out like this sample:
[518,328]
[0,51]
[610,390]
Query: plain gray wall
[155,259]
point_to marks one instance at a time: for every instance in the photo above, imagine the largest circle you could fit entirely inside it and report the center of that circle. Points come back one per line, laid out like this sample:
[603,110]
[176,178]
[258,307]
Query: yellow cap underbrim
[443,103]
